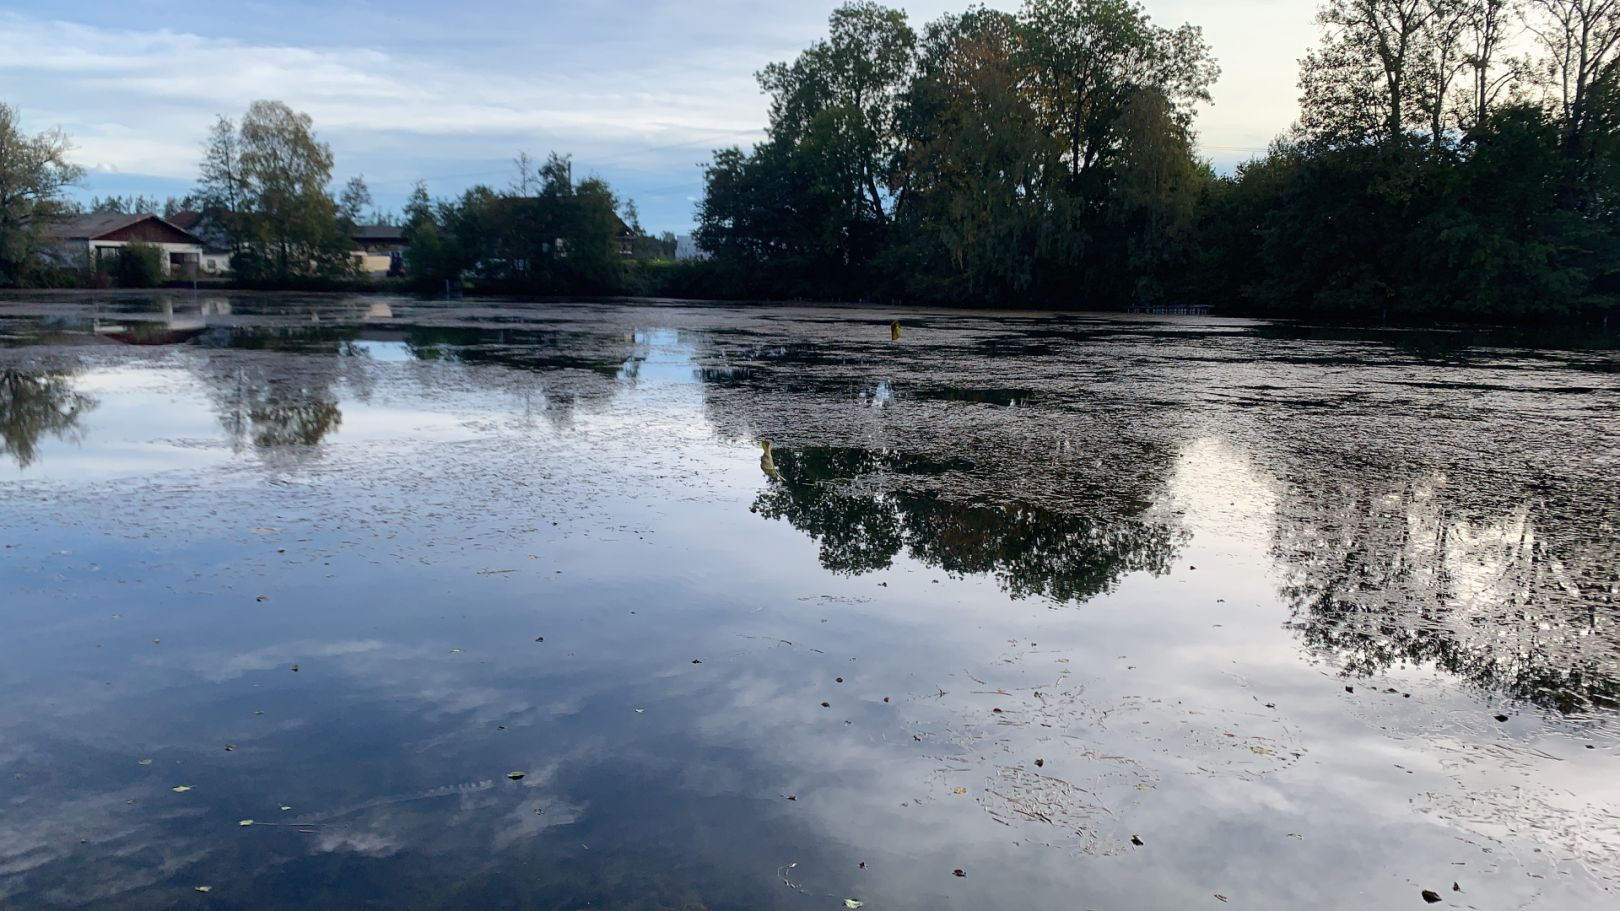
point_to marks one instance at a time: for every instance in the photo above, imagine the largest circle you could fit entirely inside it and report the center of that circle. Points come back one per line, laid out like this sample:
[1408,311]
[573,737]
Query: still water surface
[1320,618]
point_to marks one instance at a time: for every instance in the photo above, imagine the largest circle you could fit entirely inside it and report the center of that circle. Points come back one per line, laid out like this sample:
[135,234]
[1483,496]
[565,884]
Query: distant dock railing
[1173,309]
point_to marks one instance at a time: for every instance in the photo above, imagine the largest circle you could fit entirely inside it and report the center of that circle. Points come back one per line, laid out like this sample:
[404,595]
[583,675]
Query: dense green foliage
[549,234]
[34,176]
[1047,158]
[139,265]
[266,181]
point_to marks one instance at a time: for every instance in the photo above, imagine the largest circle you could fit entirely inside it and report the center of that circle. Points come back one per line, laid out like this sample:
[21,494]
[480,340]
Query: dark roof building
[114,227]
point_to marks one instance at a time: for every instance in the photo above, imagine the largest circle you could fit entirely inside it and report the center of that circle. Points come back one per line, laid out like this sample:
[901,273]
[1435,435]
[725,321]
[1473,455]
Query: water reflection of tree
[578,371]
[866,507]
[274,407]
[1521,597]
[34,405]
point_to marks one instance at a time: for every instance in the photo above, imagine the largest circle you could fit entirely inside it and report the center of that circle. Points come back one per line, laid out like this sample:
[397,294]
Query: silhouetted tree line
[1453,158]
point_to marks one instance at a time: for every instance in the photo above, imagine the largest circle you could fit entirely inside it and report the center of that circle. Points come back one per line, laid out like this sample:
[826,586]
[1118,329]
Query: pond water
[1018,611]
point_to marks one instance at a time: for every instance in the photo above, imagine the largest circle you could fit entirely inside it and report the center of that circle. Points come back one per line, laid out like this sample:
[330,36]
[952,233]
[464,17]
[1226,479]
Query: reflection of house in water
[168,326]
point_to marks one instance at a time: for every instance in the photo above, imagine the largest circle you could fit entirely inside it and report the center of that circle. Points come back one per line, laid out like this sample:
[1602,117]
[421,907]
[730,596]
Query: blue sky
[638,92]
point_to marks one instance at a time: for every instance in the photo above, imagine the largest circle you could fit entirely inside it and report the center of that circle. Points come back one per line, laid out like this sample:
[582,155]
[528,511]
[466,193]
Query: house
[216,258]
[94,239]
[380,249]
[625,236]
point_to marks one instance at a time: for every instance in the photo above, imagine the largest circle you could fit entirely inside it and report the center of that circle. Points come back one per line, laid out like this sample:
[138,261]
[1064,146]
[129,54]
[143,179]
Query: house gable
[150,230]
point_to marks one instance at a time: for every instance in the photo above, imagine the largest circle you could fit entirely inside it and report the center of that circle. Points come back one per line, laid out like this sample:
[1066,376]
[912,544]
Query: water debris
[181,789]
[885,699]
[1456,887]
[285,808]
[203,889]
[1349,689]
[262,598]
[1040,763]
[641,711]
[959,791]
[852,903]
[1431,896]
[295,668]
[840,680]
[539,638]
[1502,718]
[697,661]
[144,762]
[826,705]
[517,776]
[1219,897]
[894,331]
[230,748]
[1137,840]
[245,823]
[959,872]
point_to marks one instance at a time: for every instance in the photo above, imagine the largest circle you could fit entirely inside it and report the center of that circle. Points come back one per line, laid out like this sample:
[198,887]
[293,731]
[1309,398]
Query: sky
[639,93]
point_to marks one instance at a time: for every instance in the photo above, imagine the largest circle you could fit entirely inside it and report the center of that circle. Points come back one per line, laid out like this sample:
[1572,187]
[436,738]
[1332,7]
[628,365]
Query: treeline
[547,233]
[1453,158]
[265,192]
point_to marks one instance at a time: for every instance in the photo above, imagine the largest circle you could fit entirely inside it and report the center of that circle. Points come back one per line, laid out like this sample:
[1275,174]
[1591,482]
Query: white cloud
[638,92]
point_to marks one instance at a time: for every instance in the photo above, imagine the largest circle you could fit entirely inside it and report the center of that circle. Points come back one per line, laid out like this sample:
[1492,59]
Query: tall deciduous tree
[354,202]
[266,180]
[34,176]
[1086,60]
[286,171]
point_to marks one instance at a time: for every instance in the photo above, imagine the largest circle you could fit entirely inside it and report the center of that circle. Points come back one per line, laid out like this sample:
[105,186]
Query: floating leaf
[145,762]
[959,872]
[641,711]
[852,903]
[958,791]
[1431,896]
[205,889]
[1137,840]
[516,776]
[285,808]
[182,789]
[245,823]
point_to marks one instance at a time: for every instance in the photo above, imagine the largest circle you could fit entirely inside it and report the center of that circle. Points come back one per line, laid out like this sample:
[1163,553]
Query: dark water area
[375,603]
